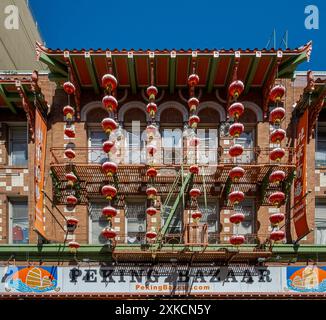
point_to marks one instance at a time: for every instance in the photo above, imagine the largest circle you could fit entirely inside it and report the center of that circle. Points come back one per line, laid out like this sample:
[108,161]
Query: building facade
[52,157]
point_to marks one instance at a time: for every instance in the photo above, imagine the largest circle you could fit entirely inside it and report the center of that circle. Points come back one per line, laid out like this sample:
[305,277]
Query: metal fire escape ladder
[164,229]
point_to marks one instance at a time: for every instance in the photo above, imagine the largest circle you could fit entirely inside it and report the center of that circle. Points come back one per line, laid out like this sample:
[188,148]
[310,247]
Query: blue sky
[179,24]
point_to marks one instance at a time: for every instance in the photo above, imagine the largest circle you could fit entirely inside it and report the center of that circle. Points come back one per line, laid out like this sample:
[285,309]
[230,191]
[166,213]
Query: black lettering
[122,276]
[264,275]
[138,276]
[199,275]
[107,274]
[215,276]
[90,275]
[247,277]
[183,276]
[74,274]
[152,276]
[230,275]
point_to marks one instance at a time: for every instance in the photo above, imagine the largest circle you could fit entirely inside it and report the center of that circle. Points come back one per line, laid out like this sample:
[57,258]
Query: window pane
[96,154]
[98,222]
[18,146]
[136,220]
[20,225]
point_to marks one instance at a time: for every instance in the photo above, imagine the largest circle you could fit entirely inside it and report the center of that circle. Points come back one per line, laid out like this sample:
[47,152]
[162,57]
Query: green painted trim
[252,72]
[54,65]
[91,70]
[132,75]
[288,67]
[214,62]
[7,100]
[269,70]
[172,70]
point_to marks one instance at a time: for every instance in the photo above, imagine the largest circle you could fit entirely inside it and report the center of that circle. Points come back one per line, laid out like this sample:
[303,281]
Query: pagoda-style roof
[215,67]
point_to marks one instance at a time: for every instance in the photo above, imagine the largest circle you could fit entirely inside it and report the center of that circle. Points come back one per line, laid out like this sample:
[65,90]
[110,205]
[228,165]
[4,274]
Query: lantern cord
[204,186]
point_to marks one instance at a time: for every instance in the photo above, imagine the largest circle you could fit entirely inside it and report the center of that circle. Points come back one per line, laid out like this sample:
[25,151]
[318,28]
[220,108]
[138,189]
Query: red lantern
[151,109]
[69,153]
[193,80]
[70,132]
[277,136]
[276,218]
[237,240]
[71,178]
[194,142]
[236,129]
[110,103]
[109,212]
[72,222]
[109,125]
[72,200]
[235,197]
[277,115]
[236,110]
[277,235]
[236,174]
[108,146]
[277,176]
[196,215]
[151,211]
[194,169]
[236,150]
[68,112]
[193,121]
[151,149]
[73,246]
[110,168]
[276,198]
[277,93]
[69,87]
[151,172]
[277,154]
[151,92]
[151,193]
[237,218]
[151,234]
[109,192]
[193,104]
[194,193]
[109,82]
[109,233]
[151,131]
[236,88]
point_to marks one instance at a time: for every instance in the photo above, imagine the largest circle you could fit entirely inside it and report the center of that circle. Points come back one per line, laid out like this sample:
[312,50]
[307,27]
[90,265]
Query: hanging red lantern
[236,150]
[193,104]
[108,146]
[236,129]
[110,168]
[193,121]
[237,218]
[277,93]
[236,88]
[151,109]
[277,135]
[194,193]
[69,87]
[70,132]
[109,125]
[73,246]
[151,92]
[109,192]
[68,112]
[236,174]
[277,115]
[151,130]
[277,154]
[151,149]
[151,172]
[71,199]
[193,80]
[277,176]
[72,179]
[151,234]
[151,211]
[194,169]
[196,216]
[109,212]
[72,222]
[276,218]
[277,235]
[69,153]
[108,233]
[235,197]
[109,82]
[194,142]
[237,240]
[151,193]
[110,103]
[276,198]
[236,110]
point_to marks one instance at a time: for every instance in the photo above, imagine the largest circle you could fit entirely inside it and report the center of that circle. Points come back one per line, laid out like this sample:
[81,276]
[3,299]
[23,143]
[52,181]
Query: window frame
[11,126]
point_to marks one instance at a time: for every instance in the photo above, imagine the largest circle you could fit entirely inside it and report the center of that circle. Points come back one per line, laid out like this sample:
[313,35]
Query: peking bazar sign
[161,280]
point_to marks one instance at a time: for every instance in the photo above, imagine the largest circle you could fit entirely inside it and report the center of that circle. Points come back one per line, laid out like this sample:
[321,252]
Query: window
[321,144]
[96,139]
[97,222]
[175,226]
[172,146]
[211,218]
[208,147]
[246,139]
[135,213]
[135,150]
[18,147]
[18,222]
[320,221]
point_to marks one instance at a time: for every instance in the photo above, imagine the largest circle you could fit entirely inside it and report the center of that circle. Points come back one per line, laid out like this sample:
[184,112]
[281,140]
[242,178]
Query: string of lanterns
[277,176]
[236,173]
